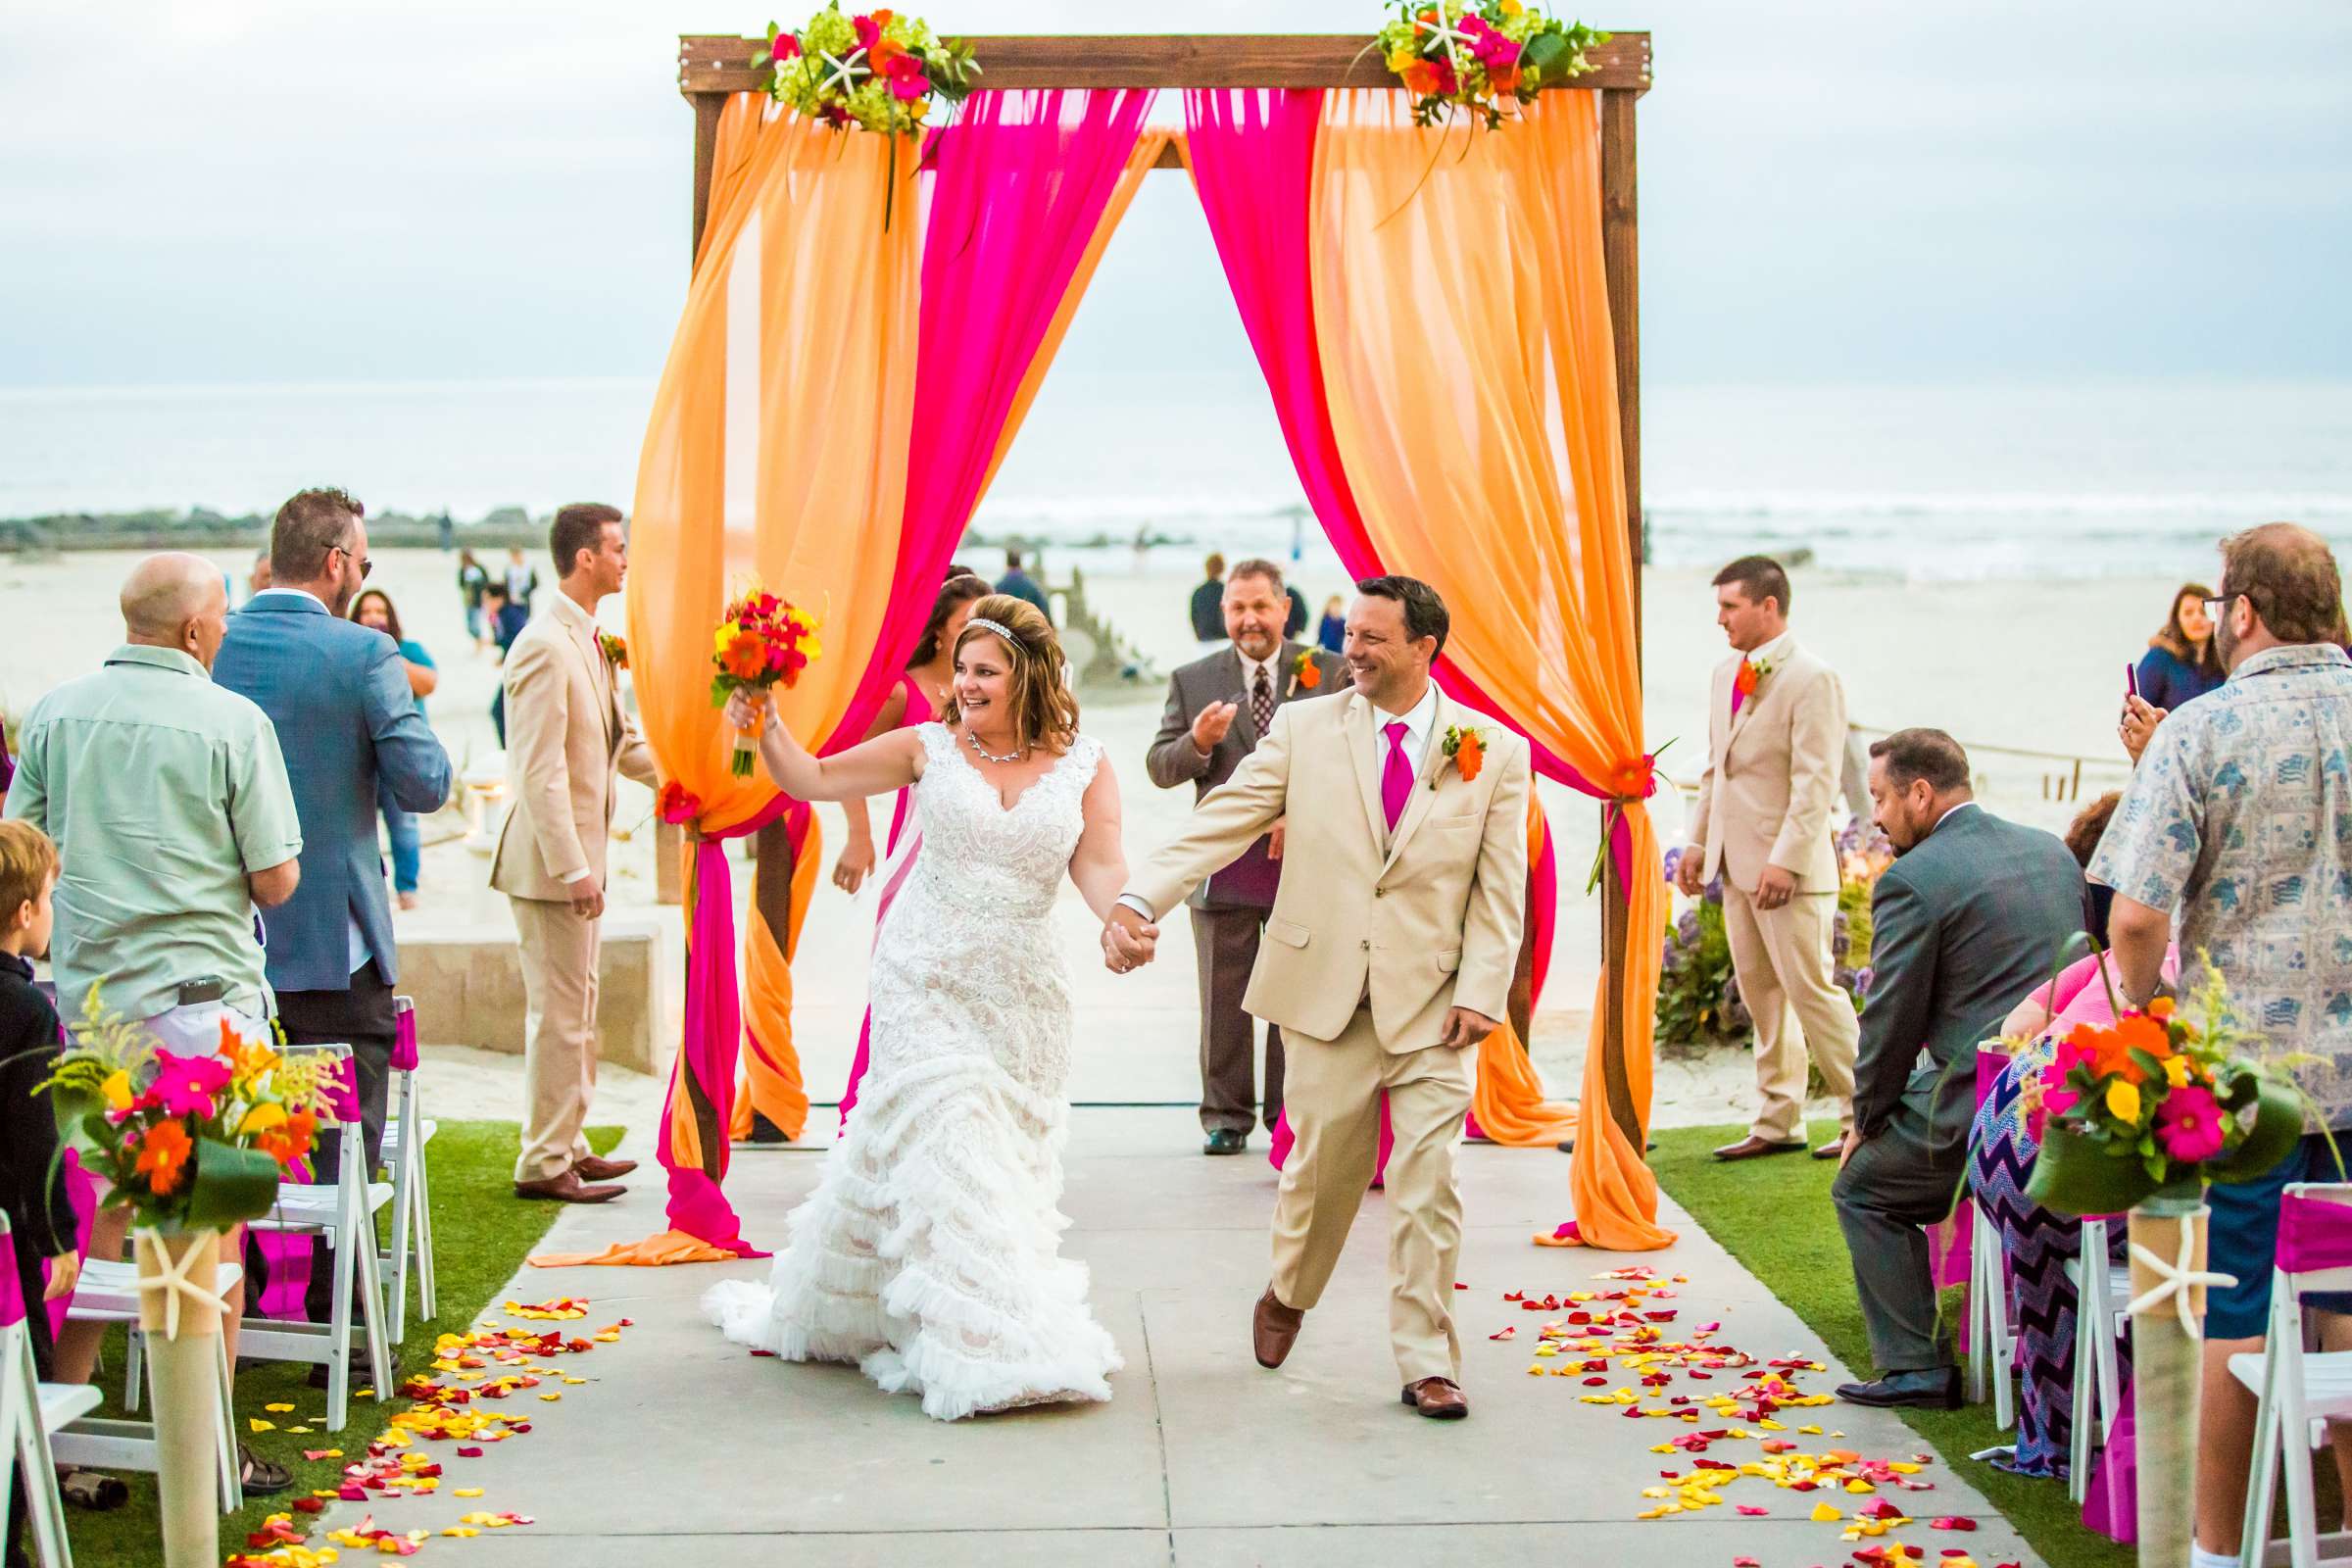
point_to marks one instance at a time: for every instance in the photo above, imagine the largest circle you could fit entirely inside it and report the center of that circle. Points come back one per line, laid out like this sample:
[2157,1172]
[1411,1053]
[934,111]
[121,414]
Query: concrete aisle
[683,1449]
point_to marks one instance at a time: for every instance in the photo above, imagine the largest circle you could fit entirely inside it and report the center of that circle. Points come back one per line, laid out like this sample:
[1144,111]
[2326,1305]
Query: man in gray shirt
[168,798]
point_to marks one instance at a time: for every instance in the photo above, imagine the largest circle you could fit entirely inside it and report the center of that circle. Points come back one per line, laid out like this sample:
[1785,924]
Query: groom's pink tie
[1395,775]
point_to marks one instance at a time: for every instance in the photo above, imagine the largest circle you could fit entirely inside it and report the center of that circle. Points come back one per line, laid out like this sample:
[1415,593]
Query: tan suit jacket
[1772,775]
[566,735]
[1419,922]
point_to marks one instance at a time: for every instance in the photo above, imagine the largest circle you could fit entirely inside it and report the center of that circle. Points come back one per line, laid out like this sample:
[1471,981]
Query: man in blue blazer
[338,694]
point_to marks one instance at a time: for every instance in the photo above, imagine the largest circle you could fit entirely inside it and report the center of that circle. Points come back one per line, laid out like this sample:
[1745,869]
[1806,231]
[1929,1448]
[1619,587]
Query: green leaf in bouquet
[232,1185]
[2074,1174]
[2278,1124]
[1543,52]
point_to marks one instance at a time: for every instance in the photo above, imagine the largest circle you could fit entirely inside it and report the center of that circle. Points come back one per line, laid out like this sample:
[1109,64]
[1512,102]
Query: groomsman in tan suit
[567,737]
[1389,953]
[1776,743]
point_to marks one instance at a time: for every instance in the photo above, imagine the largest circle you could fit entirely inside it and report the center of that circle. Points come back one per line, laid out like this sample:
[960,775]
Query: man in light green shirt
[168,798]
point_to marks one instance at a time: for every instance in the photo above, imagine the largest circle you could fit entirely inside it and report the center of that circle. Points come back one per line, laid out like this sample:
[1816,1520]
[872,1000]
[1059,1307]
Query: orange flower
[1304,677]
[1745,683]
[1421,79]
[164,1156]
[1505,81]
[2161,1007]
[745,655]
[1470,756]
[291,1141]
[884,51]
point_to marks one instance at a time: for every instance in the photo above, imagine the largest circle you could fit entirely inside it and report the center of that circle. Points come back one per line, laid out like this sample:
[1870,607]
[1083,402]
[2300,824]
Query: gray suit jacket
[340,700]
[1963,926]
[1249,883]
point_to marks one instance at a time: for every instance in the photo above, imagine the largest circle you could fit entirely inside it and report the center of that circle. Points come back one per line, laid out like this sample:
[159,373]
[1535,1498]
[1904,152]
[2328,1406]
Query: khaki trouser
[561,951]
[1332,1096]
[1782,959]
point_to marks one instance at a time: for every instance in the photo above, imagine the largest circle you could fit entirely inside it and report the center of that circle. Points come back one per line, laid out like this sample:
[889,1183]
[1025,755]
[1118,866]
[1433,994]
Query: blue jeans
[400,826]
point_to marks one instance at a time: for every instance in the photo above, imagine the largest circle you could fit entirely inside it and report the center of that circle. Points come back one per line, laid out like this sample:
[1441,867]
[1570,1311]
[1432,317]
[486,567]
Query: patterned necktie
[1395,775]
[1261,702]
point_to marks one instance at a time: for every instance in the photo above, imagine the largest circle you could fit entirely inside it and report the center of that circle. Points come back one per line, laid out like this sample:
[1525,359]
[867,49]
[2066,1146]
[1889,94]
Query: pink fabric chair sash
[2313,1234]
[12,1292]
[404,1041]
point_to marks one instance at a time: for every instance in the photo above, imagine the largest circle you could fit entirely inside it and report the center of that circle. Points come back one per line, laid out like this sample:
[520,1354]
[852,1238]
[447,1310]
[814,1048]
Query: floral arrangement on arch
[2159,1098]
[191,1141]
[877,70]
[1471,55]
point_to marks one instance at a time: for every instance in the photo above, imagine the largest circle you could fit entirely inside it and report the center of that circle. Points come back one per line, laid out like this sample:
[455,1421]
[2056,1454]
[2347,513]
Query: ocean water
[1924,483]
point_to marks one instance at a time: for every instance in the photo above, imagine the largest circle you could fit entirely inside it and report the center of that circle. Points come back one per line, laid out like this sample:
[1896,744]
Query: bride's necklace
[974,741]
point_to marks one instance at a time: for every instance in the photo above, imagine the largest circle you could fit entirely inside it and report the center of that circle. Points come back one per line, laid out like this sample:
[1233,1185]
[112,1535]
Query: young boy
[38,1212]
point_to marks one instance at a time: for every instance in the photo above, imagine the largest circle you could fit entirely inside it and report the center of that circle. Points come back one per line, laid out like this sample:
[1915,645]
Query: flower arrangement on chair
[877,70]
[194,1144]
[1472,54]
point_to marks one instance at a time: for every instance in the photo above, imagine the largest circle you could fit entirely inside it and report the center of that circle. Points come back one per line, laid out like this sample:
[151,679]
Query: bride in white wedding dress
[930,1252]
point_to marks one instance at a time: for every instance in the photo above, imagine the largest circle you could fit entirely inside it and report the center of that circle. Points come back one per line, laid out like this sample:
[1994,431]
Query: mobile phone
[2130,680]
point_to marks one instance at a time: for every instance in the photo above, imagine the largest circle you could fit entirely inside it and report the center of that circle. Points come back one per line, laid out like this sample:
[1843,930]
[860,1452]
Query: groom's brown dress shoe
[1753,1148]
[1274,1329]
[1437,1398]
[567,1189]
[589,1168]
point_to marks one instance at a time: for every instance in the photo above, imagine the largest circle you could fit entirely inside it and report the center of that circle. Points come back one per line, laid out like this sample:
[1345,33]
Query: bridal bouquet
[877,70]
[761,642]
[1472,54]
[2158,1099]
[189,1141]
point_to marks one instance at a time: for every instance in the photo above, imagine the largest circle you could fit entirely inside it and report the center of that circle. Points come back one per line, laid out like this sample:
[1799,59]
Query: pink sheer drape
[1022,182]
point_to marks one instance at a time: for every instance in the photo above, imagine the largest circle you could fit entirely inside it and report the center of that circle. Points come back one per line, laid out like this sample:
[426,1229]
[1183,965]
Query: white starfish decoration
[2174,1281]
[171,1277]
[844,69]
[1444,34]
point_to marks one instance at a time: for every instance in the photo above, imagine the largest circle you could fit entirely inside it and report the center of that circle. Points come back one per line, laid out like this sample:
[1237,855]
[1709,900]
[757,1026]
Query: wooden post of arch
[712,67]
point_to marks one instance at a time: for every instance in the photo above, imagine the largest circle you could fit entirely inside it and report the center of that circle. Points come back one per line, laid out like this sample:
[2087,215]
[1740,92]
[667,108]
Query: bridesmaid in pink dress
[928,672]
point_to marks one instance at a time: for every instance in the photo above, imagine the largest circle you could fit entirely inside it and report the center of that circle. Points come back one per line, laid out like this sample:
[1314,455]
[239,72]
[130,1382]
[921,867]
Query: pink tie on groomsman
[1742,684]
[1395,775]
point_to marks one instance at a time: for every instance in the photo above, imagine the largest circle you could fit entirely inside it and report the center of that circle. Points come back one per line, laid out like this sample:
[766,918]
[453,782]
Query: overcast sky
[1912,190]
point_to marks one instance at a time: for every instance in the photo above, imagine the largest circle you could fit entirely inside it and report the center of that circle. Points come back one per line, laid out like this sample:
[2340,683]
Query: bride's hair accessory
[997,626]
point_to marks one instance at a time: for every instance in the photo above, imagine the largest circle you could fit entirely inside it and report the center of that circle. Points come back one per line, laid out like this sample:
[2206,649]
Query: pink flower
[869,32]
[2189,1127]
[785,46]
[184,1085]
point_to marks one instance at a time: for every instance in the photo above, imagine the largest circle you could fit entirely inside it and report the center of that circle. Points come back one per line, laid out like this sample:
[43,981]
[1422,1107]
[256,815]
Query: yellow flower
[117,1090]
[261,1118]
[722,637]
[1401,57]
[1513,8]
[2176,1071]
[2123,1101]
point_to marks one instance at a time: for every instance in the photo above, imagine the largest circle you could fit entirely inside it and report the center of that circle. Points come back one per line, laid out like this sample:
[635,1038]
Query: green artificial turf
[481,1234]
[1773,1216]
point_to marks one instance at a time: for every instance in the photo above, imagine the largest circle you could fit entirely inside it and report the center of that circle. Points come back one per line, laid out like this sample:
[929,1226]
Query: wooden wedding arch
[714,67]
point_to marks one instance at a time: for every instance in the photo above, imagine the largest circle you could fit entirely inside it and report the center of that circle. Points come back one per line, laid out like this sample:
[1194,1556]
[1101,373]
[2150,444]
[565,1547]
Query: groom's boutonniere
[1304,677]
[1466,748]
[617,652]
[1752,672]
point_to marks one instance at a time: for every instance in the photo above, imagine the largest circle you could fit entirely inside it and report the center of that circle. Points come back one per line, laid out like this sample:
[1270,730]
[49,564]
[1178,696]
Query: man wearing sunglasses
[338,694]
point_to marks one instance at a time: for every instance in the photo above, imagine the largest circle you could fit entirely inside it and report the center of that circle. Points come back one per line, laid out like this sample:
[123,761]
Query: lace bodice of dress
[987,861]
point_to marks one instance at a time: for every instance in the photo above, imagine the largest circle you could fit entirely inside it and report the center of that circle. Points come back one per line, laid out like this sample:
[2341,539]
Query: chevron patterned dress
[2039,1244]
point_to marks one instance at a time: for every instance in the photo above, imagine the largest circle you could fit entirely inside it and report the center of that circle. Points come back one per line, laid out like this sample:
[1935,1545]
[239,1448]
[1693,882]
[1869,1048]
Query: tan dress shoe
[1274,1329]
[567,1189]
[589,1168]
[1437,1398]
[1753,1148]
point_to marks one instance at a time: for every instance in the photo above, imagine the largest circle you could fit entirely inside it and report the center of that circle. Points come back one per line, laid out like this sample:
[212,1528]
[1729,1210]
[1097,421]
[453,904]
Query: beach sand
[2027,665]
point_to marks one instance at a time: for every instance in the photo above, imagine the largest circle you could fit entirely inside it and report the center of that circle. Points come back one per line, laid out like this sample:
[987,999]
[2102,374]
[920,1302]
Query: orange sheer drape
[1464,318]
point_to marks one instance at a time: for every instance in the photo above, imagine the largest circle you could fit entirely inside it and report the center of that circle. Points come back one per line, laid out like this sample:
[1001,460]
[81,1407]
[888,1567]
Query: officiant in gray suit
[1217,709]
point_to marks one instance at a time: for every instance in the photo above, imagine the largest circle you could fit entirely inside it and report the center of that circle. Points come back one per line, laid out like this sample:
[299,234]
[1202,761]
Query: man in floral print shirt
[2237,832]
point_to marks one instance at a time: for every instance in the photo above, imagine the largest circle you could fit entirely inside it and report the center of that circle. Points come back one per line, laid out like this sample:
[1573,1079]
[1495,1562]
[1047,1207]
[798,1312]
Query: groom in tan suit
[567,737]
[1775,743]
[1389,953]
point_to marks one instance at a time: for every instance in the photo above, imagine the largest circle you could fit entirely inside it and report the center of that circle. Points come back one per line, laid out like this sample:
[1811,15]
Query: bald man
[168,802]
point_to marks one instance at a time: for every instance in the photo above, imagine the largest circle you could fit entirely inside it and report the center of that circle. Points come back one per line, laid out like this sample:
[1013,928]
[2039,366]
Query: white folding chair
[1992,1342]
[412,1195]
[340,1217]
[29,1410]
[108,1293]
[2299,1391]
[2102,1294]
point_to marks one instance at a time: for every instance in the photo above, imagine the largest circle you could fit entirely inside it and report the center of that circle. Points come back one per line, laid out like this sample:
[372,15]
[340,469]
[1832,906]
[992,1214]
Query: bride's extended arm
[1099,867]
[888,762]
